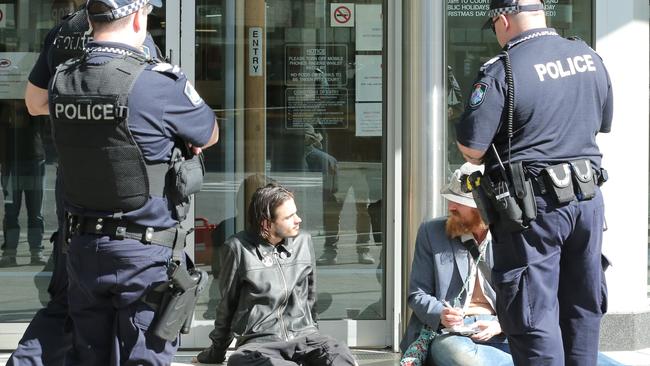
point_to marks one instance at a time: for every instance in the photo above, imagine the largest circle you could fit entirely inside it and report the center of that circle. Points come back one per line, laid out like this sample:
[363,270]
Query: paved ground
[382,358]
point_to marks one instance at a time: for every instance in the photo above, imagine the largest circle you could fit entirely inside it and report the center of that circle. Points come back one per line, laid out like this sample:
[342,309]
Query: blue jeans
[457,350]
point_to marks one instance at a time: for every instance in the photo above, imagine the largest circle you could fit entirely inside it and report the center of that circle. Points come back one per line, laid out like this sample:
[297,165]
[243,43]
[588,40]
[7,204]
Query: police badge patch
[192,95]
[478,94]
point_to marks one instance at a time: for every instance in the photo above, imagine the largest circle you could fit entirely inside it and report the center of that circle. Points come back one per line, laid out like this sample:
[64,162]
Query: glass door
[297,88]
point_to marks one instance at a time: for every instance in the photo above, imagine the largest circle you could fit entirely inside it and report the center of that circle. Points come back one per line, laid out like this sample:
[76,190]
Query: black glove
[212,354]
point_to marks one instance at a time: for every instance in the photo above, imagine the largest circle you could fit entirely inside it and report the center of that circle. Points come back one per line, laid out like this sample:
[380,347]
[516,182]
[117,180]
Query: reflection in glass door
[297,88]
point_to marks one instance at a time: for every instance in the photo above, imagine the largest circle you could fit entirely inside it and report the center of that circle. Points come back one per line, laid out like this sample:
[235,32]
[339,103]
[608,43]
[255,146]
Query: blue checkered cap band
[514,9]
[119,8]
[129,9]
[507,10]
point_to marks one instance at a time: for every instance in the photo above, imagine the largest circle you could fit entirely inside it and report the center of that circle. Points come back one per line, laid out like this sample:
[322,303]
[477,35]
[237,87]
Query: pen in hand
[459,311]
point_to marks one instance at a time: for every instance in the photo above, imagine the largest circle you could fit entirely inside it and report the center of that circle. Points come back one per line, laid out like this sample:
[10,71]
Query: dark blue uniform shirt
[43,69]
[563,98]
[163,107]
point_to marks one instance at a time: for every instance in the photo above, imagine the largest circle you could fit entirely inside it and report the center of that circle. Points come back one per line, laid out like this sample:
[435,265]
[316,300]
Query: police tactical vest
[103,167]
[71,38]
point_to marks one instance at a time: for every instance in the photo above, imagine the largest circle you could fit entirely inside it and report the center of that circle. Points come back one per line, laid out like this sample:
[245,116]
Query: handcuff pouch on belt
[584,179]
[560,182]
[571,181]
[185,179]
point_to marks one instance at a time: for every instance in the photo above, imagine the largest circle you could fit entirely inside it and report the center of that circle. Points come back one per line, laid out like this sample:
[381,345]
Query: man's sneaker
[38,260]
[328,258]
[8,261]
[365,258]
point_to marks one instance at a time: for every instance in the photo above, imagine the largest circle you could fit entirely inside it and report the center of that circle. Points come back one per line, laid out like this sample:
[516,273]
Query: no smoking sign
[342,14]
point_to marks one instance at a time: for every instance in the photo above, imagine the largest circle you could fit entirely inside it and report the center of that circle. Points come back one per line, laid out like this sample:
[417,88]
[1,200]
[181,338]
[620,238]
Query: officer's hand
[450,317]
[488,329]
[195,149]
[210,355]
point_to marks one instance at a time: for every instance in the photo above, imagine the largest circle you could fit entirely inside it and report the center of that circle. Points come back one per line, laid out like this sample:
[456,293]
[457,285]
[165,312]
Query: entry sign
[342,14]
[255,51]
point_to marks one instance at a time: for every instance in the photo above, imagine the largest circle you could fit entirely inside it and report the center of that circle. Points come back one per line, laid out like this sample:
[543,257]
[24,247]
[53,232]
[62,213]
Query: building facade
[351,105]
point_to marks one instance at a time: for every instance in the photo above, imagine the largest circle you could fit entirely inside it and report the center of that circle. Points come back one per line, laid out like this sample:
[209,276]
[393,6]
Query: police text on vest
[564,68]
[95,112]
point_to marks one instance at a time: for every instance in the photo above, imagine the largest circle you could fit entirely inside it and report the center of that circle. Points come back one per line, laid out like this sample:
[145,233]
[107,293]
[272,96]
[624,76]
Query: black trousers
[313,350]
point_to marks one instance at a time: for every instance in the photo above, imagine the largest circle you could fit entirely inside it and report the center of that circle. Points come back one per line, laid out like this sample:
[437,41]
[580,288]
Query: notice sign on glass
[479,8]
[327,106]
[320,65]
[467,8]
[14,70]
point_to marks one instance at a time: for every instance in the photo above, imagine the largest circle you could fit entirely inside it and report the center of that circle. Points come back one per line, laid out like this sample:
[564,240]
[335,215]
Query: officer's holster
[174,300]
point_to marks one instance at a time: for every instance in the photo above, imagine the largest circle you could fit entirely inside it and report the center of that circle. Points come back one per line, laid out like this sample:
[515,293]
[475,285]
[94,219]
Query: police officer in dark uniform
[541,154]
[47,339]
[117,116]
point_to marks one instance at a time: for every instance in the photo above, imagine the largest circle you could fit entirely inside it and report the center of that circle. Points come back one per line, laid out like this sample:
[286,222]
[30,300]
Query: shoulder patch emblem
[192,95]
[478,94]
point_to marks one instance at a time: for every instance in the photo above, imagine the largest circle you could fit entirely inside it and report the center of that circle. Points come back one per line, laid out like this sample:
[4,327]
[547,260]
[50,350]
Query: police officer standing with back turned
[47,338]
[117,117]
[532,117]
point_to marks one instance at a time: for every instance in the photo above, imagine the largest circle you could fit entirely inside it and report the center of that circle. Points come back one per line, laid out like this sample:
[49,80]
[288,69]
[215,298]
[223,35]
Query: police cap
[498,7]
[118,8]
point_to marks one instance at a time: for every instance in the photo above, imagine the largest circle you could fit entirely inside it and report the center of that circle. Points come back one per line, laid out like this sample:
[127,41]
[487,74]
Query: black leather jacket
[267,292]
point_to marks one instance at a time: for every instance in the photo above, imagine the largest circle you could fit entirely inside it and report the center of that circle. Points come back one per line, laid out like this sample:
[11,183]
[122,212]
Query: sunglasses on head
[465,185]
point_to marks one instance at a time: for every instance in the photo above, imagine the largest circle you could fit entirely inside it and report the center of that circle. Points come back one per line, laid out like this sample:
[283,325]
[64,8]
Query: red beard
[458,225]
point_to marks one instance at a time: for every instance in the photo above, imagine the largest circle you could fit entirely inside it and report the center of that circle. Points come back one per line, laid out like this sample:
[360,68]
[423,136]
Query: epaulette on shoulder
[489,63]
[576,38]
[170,70]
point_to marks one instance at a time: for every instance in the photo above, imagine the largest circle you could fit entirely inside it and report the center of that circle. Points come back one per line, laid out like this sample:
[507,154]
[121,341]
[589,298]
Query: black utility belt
[509,201]
[566,182]
[118,229]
